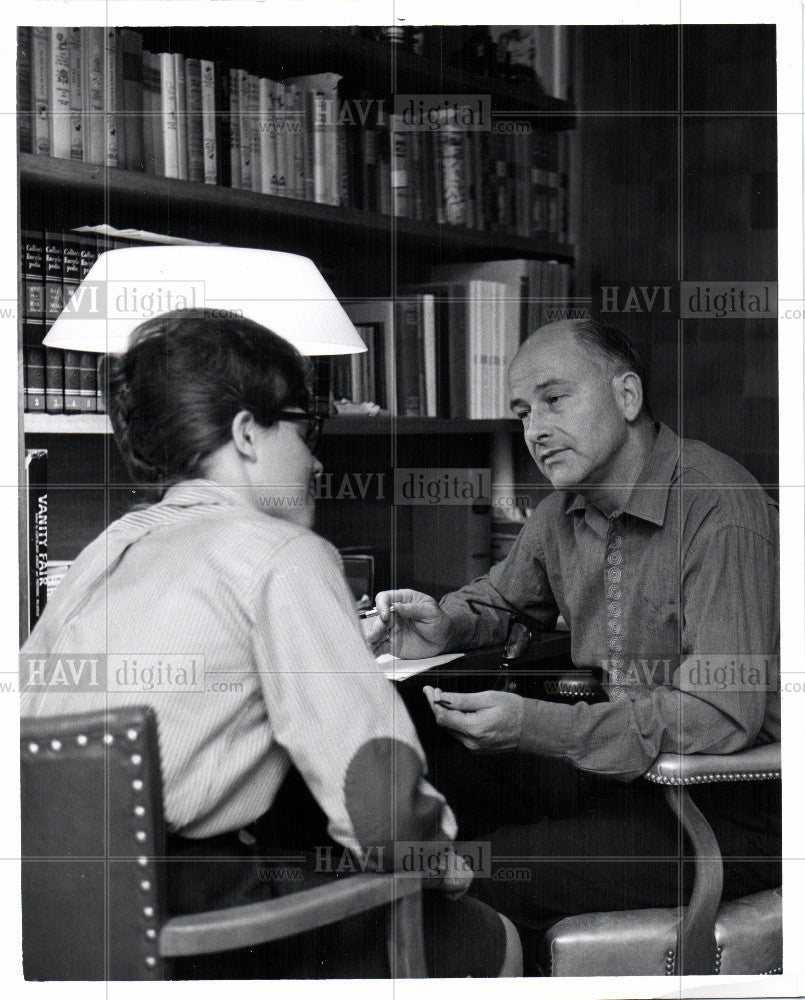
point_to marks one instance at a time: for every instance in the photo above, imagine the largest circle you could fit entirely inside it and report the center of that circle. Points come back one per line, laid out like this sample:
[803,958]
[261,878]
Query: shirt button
[615,643]
[614,575]
[614,559]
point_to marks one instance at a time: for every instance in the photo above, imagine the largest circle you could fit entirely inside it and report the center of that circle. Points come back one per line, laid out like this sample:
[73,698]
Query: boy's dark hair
[186,374]
[607,340]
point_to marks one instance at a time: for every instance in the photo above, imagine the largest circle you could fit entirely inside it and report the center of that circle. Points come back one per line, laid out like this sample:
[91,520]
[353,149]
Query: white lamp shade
[282,291]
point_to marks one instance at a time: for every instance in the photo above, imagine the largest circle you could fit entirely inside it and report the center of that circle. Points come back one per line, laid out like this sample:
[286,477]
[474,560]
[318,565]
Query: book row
[441,349]
[53,264]
[96,95]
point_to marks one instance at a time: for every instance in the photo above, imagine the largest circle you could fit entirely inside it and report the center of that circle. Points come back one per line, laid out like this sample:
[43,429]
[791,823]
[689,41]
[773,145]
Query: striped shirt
[238,628]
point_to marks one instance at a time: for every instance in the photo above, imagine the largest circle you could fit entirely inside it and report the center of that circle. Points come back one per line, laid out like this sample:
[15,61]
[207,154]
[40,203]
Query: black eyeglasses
[314,421]
[518,636]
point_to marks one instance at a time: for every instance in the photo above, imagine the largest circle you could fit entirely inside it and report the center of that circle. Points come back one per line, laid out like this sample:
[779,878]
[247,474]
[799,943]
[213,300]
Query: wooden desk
[490,790]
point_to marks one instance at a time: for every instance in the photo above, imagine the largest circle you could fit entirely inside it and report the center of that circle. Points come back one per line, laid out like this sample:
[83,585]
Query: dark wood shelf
[98,423]
[115,191]
[384,424]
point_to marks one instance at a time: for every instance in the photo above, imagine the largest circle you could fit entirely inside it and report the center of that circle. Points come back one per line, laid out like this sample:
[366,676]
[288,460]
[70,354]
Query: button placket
[613,592]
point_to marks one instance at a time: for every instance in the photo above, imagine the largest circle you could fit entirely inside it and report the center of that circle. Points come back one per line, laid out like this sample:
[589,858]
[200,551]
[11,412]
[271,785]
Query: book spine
[223,127]
[37,525]
[40,90]
[76,95]
[113,81]
[131,57]
[268,149]
[148,115]
[93,71]
[183,159]
[235,155]
[168,114]
[295,170]
[486,175]
[344,194]
[280,138]
[417,174]
[457,337]
[454,190]
[59,92]
[33,317]
[34,369]
[469,177]
[477,145]
[381,386]
[88,362]
[409,358]
[320,192]
[521,161]
[156,114]
[400,169]
[245,111]
[54,369]
[254,120]
[429,353]
[71,278]
[442,321]
[208,121]
[195,139]
[308,151]
[25,129]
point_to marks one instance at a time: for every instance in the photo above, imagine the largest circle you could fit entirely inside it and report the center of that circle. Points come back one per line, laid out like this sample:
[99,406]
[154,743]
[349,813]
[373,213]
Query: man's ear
[243,432]
[628,391]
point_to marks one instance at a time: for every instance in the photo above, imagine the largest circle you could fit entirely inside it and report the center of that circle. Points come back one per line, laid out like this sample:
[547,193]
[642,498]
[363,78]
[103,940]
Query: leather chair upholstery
[739,937]
[93,894]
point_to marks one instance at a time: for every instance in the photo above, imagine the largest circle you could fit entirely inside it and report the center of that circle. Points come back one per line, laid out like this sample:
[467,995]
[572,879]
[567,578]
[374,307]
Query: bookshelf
[362,253]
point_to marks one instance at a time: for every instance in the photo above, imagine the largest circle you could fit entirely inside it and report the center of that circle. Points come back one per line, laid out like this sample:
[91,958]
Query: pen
[370,613]
[443,703]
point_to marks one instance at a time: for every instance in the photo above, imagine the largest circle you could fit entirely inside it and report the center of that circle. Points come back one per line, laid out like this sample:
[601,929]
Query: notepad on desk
[398,670]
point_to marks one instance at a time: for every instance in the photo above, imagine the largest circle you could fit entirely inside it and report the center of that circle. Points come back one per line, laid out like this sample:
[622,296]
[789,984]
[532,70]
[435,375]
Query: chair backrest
[92,827]
[359,569]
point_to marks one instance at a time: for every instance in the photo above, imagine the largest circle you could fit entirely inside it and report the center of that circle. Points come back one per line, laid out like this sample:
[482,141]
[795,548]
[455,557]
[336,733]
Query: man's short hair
[612,344]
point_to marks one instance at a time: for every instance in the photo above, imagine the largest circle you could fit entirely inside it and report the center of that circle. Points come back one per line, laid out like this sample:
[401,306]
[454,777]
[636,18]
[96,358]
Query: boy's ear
[243,433]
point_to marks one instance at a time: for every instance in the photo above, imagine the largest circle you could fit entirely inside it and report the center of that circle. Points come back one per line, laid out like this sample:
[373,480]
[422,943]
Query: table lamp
[282,291]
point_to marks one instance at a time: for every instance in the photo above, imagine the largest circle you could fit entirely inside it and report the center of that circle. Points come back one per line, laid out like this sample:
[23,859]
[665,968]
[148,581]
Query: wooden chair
[93,892]
[738,937]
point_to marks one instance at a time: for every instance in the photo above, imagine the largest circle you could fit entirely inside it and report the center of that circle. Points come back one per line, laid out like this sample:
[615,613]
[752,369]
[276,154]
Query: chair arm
[259,923]
[761,763]
[581,685]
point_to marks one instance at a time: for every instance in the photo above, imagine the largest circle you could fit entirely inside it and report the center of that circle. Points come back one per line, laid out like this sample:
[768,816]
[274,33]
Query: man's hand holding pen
[487,721]
[408,624]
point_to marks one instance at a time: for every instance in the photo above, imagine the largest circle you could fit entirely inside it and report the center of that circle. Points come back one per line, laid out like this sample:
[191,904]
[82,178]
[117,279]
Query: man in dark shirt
[662,555]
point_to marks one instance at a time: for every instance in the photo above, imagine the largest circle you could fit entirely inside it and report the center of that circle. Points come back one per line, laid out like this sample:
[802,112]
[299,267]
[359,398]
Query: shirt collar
[649,497]
[202,492]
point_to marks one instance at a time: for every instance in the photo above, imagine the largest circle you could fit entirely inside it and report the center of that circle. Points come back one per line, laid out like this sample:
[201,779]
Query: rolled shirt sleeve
[717,700]
[341,721]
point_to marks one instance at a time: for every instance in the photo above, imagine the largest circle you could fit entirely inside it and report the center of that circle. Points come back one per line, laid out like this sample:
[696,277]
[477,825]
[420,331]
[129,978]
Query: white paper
[397,669]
